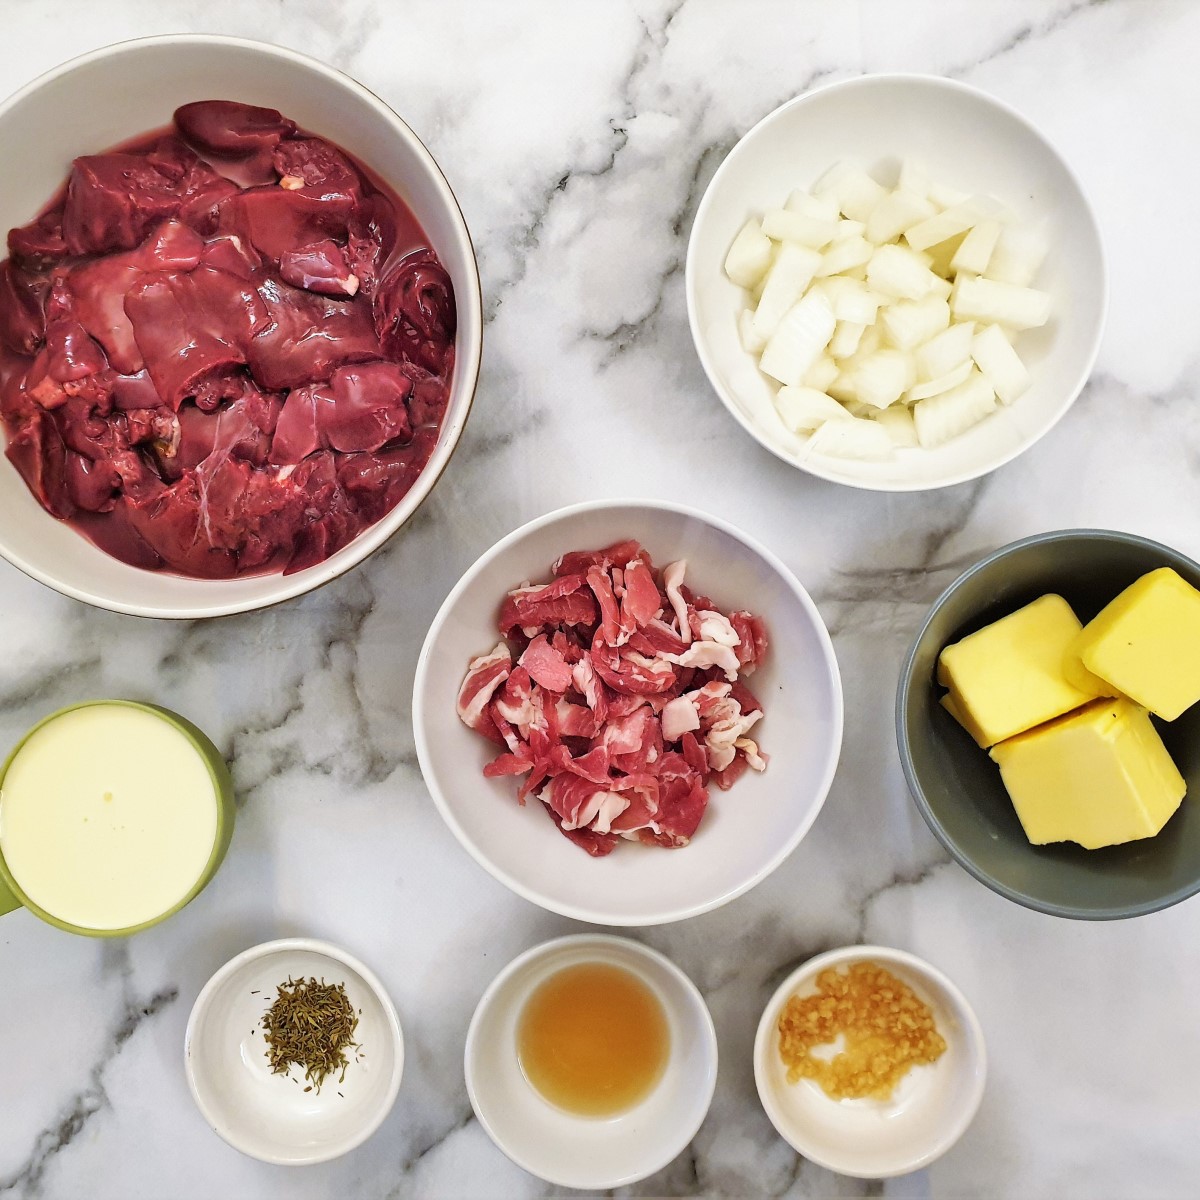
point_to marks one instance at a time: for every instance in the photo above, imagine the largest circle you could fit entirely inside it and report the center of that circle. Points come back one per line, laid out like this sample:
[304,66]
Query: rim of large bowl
[907,682]
[808,465]
[374,536]
[534,895]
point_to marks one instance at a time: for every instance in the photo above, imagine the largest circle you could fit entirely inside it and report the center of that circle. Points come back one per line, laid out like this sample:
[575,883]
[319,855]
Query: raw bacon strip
[641,602]
[563,602]
[682,808]
[484,675]
[672,580]
[596,844]
[546,665]
[624,701]
[578,561]
[752,639]
[610,621]
[679,717]
[703,655]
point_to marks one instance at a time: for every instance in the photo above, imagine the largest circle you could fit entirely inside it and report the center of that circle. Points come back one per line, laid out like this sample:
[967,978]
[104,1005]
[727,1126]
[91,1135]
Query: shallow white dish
[586,1152]
[966,139]
[873,1139]
[271,1117]
[117,92]
[746,832]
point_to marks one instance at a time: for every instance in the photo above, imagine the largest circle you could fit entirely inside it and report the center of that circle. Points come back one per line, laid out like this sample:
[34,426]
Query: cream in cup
[113,816]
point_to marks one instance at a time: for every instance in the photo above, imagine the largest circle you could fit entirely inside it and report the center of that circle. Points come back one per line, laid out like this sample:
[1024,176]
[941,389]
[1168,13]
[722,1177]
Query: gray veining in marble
[579,139]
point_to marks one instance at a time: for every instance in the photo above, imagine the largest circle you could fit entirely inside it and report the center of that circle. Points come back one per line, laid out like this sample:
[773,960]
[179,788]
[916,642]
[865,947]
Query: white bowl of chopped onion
[896,282]
[649,876]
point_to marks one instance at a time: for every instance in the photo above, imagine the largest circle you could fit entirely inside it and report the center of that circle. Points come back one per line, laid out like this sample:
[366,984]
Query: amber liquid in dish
[593,1039]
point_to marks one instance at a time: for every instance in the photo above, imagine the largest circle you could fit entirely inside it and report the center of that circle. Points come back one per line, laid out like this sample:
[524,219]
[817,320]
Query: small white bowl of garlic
[896,282]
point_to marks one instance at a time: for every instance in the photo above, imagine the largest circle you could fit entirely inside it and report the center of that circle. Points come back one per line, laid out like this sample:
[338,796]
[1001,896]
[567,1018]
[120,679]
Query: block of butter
[1146,643]
[1098,776]
[1008,676]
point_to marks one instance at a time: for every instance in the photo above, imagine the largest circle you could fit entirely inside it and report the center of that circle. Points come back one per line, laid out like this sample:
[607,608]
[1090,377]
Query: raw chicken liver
[224,348]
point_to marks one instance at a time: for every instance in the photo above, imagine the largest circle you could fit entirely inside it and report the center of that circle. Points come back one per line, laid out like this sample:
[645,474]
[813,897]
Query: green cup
[13,897]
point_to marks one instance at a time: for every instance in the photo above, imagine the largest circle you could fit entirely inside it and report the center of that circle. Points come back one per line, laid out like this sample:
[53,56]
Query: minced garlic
[886,1027]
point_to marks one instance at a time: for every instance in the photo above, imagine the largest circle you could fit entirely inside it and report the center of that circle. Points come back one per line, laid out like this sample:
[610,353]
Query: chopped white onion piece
[909,323]
[851,300]
[842,256]
[944,196]
[999,363]
[896,212]
[785,226]
[975,250]
[848,229]
[898,422]
[941,354]
[786,281]
[856,194]
[799,339]
[752,342]
[1017,257]
[948,414]
[812,206]
[803,409]
[951,221]
[855,438]
[897,271]
[749,256]
[914,179]
[845,339]
[883,377]
[822,373]
[978,299]
[931,387]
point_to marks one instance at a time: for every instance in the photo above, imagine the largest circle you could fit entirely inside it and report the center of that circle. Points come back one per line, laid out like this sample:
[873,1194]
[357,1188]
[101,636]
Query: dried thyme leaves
[310,1025]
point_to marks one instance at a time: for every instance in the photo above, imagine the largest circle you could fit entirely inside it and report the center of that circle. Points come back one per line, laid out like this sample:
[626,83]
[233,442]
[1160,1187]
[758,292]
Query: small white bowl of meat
[628,712]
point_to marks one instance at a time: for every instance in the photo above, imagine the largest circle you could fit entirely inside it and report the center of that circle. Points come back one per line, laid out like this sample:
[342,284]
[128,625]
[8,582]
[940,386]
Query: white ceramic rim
[335,955]
[466,368]
[811,464]
[973,1042]
[581,940]
[596,916]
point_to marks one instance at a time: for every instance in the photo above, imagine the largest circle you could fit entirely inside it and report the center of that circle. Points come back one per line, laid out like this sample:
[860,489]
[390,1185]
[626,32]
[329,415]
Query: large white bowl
[120,91]
[590,1152]
[272,1117]
[746,832]
[967,139]
[874,1139]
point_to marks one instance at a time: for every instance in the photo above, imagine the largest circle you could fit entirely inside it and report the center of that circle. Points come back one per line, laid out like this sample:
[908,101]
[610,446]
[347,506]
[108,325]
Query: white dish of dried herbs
[294,1052]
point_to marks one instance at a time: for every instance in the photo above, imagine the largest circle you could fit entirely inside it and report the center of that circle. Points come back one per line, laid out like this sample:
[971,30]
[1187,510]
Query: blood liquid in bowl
[225,348]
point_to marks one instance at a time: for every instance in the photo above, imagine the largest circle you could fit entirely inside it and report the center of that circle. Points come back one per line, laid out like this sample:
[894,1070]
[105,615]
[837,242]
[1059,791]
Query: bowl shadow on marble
[956,785]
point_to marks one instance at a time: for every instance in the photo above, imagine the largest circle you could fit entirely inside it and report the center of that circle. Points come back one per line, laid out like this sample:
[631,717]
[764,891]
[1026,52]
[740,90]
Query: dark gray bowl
[956,785]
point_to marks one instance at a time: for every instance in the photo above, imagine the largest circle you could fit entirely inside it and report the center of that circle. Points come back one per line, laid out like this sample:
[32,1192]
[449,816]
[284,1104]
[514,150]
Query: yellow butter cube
[1079,676]
[1008,677]
[1099,776]
[1146,643]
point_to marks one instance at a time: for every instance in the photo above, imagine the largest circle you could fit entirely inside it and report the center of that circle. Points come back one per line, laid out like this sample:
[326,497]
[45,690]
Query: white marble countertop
[579,139]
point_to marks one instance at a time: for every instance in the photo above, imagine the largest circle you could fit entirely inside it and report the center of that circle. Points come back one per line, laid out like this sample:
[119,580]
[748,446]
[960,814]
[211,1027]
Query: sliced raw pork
[617,697]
